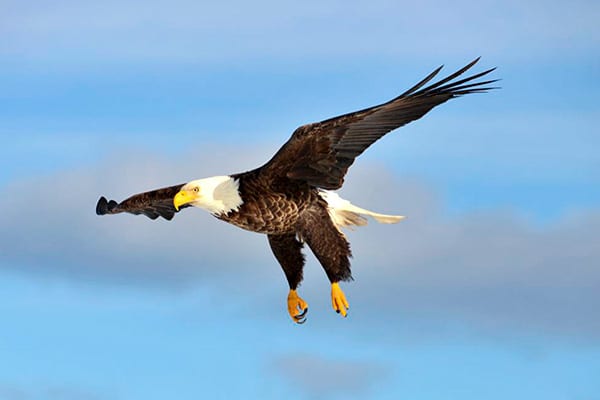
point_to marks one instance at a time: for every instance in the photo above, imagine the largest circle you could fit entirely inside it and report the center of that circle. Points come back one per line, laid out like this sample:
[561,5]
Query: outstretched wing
[153,204]
[321,153]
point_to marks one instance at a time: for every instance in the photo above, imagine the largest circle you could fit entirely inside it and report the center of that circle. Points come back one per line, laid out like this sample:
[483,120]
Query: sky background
[489,289]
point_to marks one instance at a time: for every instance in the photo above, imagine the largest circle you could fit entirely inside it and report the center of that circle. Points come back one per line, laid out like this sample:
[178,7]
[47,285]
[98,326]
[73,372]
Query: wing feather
[152,204]
[321,153]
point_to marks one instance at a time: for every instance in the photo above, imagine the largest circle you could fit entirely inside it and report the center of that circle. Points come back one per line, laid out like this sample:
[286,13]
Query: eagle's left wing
[152,204]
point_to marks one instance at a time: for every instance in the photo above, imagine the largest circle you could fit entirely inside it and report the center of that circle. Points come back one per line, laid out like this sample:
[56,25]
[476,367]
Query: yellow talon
[297,307]
[338,299]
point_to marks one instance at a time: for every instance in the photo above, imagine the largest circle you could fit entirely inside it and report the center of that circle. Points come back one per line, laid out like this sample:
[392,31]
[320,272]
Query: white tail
[345,214]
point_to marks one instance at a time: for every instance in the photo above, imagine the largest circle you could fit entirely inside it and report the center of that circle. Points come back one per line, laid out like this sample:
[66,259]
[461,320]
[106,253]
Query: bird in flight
[291,198]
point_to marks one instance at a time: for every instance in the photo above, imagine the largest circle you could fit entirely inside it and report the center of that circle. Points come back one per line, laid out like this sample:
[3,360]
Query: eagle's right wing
[152,204]
[321,153]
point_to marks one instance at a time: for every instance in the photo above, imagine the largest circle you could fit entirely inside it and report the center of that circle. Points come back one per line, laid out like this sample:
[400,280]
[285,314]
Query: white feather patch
[345,214]
[218,194]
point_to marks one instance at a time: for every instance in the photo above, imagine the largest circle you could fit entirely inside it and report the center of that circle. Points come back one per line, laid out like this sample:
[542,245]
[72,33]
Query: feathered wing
[321,153]
[153,204]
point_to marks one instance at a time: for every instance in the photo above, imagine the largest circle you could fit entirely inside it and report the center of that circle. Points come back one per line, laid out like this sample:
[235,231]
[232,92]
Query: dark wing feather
[153,204]
[321,153]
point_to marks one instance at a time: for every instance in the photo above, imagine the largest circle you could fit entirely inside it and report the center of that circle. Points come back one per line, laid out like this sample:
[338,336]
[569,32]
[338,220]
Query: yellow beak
[184,197]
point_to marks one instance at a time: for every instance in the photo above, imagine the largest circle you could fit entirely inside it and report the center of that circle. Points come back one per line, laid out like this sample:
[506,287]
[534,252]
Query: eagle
[291,198]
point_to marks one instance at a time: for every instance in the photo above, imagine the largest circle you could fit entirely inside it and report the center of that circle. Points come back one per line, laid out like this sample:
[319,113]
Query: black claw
[337,311]
[301,318]
[303,313]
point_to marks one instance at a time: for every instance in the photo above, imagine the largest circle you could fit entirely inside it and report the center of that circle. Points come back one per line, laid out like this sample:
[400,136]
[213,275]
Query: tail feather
[345,214]
[381,218]
[388,219]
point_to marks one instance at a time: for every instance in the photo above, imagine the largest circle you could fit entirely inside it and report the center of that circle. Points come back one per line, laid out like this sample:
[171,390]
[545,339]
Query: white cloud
[60,227]
[322,378]
[490,269]
[54,392]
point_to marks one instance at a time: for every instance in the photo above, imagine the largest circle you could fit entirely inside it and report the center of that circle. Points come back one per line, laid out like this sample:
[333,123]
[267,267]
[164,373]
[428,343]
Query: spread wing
[152,204]
[321,153]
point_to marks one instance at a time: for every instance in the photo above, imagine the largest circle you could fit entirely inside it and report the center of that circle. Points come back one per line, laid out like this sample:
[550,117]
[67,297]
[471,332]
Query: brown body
[293,214]
[277,213]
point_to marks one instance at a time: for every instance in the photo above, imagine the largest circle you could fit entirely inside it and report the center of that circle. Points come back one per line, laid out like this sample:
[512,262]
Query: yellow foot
[338,300]
[297,307]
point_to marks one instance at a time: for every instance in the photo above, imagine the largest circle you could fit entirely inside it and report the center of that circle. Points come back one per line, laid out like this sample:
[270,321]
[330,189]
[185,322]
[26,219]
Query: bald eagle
[291,198]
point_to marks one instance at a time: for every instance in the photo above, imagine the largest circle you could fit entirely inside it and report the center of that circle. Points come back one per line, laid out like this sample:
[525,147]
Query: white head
[217,194]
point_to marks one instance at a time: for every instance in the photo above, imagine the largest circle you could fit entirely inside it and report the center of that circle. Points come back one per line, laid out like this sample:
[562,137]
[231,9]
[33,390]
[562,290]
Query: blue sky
[489,289]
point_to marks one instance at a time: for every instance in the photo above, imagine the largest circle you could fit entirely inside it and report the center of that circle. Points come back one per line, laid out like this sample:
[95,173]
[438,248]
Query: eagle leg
[297,307]
[338,300]
[331,249]
[288,251]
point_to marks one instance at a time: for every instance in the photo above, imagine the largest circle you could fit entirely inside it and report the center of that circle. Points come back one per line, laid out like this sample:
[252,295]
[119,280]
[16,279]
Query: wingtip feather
[104,206]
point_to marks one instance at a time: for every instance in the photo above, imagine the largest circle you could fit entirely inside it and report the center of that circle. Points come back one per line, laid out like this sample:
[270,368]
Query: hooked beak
[184,197]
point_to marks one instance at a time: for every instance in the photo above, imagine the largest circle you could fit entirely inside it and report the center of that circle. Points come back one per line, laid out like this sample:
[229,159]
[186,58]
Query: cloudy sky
[489,289]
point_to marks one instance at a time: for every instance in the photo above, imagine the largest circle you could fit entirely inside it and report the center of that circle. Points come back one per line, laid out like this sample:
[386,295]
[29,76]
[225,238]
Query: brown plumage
[152,204]
[321,153]
[282,198]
